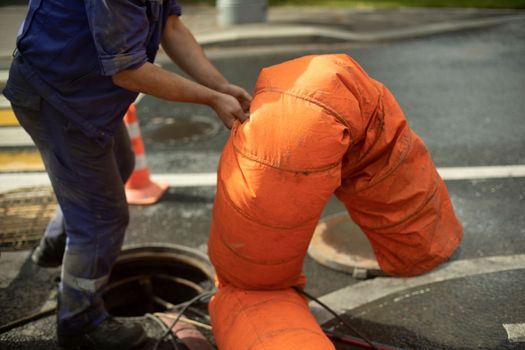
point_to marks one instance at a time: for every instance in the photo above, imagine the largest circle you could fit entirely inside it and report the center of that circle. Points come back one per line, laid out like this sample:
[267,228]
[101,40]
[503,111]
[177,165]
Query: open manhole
[175,130]
[24,214]
[339,243]
[155,278]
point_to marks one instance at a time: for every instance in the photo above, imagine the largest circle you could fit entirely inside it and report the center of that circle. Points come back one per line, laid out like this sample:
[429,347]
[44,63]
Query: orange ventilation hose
[319,125]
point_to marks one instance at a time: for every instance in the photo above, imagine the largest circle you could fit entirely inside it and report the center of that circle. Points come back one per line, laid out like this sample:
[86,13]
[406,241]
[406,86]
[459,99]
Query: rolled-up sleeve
[174,9]
[120,30]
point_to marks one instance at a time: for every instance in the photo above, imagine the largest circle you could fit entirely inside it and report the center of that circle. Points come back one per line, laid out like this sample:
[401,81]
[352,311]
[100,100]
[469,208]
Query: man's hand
[229,101]
[239,93]
[228,108]
[167,85]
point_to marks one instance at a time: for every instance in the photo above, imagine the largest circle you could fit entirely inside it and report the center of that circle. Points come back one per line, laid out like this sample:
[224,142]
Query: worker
[319,125]
[77,68]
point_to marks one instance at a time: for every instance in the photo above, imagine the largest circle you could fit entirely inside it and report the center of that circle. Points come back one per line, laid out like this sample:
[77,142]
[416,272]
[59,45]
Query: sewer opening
[175,130]
[156,279]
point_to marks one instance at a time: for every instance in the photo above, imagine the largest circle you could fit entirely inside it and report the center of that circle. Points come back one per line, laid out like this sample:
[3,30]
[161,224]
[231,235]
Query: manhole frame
[135,253]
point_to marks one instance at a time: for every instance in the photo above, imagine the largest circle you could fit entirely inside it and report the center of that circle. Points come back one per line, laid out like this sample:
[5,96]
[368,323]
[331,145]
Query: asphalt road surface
[463,93]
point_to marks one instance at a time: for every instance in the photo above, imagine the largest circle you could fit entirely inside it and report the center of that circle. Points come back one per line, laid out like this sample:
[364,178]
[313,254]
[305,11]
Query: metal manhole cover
[339,243]
[175,130]
[24,214]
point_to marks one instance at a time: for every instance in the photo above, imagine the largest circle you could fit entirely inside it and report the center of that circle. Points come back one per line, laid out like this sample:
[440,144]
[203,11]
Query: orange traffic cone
[139,188]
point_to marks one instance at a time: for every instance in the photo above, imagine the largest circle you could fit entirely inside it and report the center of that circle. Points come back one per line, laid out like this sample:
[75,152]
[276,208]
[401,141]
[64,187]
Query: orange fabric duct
[320,125]
[264,320]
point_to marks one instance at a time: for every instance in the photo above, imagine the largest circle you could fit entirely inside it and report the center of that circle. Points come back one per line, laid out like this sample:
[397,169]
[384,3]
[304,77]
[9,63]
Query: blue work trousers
[88,182]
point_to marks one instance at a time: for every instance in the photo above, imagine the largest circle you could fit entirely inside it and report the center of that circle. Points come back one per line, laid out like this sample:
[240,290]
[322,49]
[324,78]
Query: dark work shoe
[109,335]
[50,252]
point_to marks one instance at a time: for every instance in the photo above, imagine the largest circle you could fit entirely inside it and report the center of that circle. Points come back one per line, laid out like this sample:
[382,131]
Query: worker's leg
[96,219]
[89,189]
[26,104]
[50,251]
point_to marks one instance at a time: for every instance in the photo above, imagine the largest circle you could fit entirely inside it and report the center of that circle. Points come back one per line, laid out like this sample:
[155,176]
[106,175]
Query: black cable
[24,320]
[201,314]
[327,308]
[344,338]
[185,307]
[164,327]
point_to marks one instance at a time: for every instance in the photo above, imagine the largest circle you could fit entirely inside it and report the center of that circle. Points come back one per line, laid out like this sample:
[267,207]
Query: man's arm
[180,45]
[161,83]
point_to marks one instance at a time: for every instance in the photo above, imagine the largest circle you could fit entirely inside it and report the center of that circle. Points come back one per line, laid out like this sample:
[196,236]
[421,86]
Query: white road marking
[362,293]
[14,136]
[188,180]
[4,75]
[4,102]
[515,332]
[10,181]
[482,172]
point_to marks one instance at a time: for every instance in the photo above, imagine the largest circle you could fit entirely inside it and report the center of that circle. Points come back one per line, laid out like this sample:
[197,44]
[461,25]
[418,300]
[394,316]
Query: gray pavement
[462,91]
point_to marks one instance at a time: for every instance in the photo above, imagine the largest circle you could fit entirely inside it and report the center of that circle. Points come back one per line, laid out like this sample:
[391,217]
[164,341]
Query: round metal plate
[175,130]
[339,243]
[24,214]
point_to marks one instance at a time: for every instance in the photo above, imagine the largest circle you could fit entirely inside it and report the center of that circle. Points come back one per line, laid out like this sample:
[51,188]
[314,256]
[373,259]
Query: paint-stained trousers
[88,182]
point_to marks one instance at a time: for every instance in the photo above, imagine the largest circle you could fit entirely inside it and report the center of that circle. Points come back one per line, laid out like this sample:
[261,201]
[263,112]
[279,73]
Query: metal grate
[24,214]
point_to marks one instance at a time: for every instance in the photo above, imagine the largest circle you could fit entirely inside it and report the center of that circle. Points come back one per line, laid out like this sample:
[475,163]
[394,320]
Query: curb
[293,34]
[251,33]
[359,294]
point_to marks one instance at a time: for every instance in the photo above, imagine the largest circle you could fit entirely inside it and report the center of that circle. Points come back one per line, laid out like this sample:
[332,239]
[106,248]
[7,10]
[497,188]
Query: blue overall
[61,91]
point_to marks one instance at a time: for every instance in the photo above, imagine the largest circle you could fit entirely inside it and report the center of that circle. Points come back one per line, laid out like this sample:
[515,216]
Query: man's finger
[228,122]
[246,96]
[245,100]
[245,106]
[239,114]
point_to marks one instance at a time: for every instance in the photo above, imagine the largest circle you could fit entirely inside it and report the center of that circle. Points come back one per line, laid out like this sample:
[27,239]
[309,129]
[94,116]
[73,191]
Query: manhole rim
[153,255]
[187,254]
